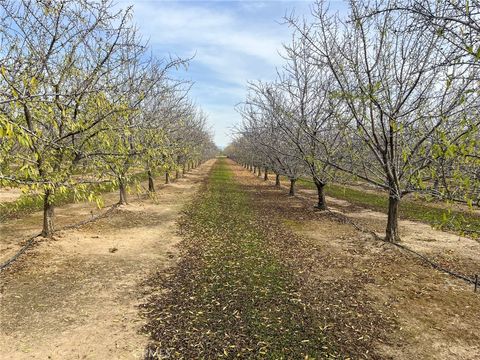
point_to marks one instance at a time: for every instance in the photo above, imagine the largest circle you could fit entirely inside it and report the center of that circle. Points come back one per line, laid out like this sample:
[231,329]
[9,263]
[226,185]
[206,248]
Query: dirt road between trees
[77,296]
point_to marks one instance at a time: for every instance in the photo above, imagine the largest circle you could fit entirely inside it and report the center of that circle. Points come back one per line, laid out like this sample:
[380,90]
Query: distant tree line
[83,102]
[388,94]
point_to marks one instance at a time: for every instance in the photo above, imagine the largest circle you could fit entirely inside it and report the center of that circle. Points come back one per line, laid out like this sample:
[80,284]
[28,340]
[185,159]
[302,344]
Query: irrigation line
[31,240]
[92,219]
[403,247]
[434,265]
[10,261]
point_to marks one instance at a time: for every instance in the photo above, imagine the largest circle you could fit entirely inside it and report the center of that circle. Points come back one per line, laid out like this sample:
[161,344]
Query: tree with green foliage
[78,91]
[54,59]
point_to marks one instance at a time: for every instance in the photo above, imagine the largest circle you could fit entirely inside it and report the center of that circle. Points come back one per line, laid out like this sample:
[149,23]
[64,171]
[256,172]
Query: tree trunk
[392,234]
[322,205]
[265,177]
[167,178]
[48,215]
[184,168]
[259,171]
[254,169]
[292,187]
[123,192]
[177,175]
[277,180]
[436,185]
[151,185]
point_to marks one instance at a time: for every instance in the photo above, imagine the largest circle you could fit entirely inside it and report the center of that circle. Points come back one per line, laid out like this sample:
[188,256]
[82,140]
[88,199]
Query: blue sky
[233,42]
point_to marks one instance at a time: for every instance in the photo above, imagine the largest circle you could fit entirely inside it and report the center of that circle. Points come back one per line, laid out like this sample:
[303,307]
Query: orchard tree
[303,108]
[398,95]
[267,142]
[54,59]
[458,23]
[159,117]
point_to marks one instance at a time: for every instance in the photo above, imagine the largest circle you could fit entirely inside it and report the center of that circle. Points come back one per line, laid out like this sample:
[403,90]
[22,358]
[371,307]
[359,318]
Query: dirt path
[76,297]
[230,296]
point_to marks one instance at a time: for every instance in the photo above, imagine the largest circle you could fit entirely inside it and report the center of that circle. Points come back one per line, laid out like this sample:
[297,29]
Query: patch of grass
[230,296]
[293,224]
[462,222]
[28,203]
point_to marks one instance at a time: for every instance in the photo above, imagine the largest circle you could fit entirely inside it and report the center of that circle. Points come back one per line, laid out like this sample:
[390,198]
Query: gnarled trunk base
[322,204]
[48,215]
[292,187]
[392,233]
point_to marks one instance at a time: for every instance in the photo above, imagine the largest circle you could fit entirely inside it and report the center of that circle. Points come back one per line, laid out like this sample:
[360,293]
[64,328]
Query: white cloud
[183,24]
[234,42]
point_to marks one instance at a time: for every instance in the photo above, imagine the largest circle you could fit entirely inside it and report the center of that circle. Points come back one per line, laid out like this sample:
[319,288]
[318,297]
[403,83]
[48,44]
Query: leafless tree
[398,94]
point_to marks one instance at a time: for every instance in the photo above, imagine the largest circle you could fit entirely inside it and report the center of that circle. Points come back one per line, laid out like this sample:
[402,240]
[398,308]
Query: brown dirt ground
[76,296]
[377,301]
[454,252]
[9,194]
